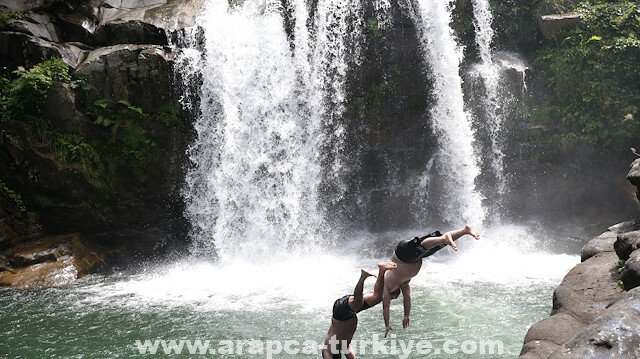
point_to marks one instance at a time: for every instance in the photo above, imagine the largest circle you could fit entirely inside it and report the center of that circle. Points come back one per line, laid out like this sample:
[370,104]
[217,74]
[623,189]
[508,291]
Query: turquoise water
[490,291]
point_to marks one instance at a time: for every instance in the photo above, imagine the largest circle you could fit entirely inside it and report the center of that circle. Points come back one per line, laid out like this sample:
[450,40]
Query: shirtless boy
[408,258]
[344,320]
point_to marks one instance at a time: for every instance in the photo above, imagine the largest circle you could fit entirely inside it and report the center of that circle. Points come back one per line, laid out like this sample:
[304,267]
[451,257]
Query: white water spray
[490,74]
[457,161]
[334,48]
[499,95]
[268,110]
[254,175]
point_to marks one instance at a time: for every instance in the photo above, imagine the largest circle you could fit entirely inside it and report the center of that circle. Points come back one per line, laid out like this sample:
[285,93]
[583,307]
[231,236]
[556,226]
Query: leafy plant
[13,196]
[621,263]
[74,150]
[101,162]
[6,17]
[129,145]
[592,71]
[23,97]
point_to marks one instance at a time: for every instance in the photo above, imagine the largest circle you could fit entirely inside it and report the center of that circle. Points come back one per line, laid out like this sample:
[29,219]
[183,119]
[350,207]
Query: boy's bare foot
[387,265]
[472,231]
[365,273]
[450,242]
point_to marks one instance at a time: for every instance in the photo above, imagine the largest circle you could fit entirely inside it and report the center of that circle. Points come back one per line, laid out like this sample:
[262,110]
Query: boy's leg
[376,296]
[455,234]
[356,300]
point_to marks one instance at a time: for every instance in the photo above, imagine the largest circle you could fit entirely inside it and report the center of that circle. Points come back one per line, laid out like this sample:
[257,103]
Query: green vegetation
[12,196]
[233,4]
[621,263]
[100,158]
[373,26]
[515,25]
[23,97]
[5,17]
[128,146]
[592,71]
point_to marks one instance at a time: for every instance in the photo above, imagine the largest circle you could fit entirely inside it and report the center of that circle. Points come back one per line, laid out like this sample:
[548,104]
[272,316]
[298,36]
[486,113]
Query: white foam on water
[505,256]
[510,255]
[308,283]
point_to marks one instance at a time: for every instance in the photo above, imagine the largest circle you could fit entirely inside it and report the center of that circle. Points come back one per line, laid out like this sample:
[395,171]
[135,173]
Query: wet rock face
[71,29]
[596,308]
[48,262]
[138,74]
[614,334]
[121,49]
[630,274]
[627,243]
[583,319]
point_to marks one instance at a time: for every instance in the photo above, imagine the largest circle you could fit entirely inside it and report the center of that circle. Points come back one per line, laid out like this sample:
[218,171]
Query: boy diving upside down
[408,257]
[344,320]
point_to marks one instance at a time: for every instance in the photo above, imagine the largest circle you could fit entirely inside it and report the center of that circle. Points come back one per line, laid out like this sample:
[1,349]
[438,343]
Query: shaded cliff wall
[92,147]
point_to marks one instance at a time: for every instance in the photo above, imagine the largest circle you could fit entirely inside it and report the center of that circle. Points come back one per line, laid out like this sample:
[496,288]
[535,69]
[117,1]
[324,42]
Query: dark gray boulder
[600,244]
[138,74]
[630,274]
[130,32]
[588,288]
[583,295]
[614,334]
[547,335]
[634,173]
[627,243]
[606,241]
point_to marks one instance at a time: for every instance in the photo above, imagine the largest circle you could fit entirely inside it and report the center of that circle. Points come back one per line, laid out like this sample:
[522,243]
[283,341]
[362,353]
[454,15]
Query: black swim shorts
[410,250]
[341,309]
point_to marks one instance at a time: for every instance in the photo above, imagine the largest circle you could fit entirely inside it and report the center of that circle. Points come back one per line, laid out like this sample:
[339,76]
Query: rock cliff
[596,308]
[92,180]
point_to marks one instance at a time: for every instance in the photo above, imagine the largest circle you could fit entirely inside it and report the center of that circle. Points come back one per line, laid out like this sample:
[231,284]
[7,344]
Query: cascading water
[334,46]
[490,75]
[495,94]
[457,163]
[269,120]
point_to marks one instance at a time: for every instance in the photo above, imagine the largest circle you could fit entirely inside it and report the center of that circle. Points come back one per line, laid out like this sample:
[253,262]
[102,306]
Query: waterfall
[457,163]
[334,47]
[498,93]
[490,75]
[269,158]
[268,131]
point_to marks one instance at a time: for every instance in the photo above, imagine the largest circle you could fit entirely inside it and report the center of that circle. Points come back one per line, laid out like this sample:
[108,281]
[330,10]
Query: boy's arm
[406,296]
[386,302]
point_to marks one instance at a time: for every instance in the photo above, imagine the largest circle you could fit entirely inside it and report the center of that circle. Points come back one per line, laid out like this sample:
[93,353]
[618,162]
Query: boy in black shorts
[408,257]
[344,320]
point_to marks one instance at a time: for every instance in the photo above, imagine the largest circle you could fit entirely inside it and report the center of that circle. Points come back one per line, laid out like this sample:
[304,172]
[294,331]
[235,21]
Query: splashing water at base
[493,288]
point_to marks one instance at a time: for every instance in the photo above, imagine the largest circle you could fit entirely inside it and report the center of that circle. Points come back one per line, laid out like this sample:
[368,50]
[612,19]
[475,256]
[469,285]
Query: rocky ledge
[51,261]
[596,308]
